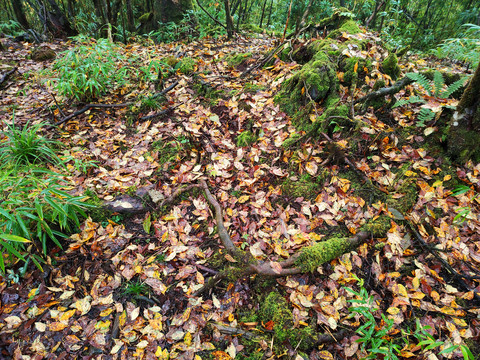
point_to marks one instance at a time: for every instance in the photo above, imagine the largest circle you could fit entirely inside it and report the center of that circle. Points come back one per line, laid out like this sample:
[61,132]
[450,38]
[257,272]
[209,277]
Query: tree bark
[130,19]
[229,19]
[19,11]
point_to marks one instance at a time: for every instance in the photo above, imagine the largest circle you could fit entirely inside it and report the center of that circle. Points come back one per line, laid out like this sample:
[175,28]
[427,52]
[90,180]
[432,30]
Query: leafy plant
[25,146]
[89,70]
[372,335]
[11,27]
[435,87]
[35,207]
[464,211]
[465,48]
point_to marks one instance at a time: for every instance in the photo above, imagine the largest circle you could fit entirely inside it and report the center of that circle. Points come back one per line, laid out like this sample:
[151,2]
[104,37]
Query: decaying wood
[109,106]
[7,75]
[390,90]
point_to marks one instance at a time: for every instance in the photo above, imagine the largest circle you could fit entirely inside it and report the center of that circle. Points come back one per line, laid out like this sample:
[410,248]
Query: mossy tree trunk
[20,13]
[464,131]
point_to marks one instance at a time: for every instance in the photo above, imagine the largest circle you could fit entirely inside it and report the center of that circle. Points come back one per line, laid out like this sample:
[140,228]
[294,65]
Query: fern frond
[424,115]
[422,80]
[452,88]
[410,100]
[438,82]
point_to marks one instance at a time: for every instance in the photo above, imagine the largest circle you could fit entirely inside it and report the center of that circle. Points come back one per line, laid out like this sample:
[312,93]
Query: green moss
[168,152]
[97,212]
[251,28]
[275,308]
[253,88]
[291,140]
[170,60]
[409,198]
[145,18]
[246,138]
[315,81]
[364,66]
[237,59]
[378,227]
[314,256]
[186,66]
[349,27]
[390,66]
[463,144]
[306,186]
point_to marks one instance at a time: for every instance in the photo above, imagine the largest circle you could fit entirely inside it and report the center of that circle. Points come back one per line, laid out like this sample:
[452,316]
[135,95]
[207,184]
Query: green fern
[422,80]
[424,116]
[452,88]
[410,100]
[438,82]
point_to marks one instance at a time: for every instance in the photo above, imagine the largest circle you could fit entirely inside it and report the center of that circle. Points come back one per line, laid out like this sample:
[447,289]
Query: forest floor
[124,286]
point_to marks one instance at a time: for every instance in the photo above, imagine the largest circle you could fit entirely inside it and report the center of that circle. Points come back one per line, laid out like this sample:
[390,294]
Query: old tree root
[307,260]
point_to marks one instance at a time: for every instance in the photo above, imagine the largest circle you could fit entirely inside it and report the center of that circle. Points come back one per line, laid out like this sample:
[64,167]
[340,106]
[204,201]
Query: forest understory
[242,213]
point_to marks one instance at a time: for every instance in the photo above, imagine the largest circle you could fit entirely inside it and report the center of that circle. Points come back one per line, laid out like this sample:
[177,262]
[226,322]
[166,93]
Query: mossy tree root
[316,254]
[390,90]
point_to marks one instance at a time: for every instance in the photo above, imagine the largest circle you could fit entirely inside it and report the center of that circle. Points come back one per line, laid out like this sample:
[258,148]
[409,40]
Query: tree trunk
[20,13]
[130,19]
[263,13]
[170,10]
[229,19]
[464,132]
[270,13]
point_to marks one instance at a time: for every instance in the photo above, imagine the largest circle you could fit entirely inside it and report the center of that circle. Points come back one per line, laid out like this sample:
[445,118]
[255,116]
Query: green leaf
[14,238]
[147,223]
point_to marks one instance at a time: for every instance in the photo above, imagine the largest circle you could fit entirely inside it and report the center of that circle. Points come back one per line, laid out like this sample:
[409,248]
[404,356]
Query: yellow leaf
[393,310]
[244,198]
[187,339]
[355,68]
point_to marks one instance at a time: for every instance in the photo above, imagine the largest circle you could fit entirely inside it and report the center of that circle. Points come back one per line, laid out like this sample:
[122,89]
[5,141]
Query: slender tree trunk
[263,13]
[229,19]
[130,19]
[303,20]
[270,13]
[71,8]
[19,11]
[342,3]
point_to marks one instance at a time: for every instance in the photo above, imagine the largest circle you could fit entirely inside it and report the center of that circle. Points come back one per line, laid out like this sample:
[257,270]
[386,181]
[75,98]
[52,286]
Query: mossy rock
[43,53]
[246,138]
[253,88]
[314,81]
[463,143]
[349,27]
[355,68]
[390,66]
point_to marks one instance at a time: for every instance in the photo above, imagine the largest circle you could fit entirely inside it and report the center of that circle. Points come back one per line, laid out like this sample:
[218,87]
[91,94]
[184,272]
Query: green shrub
[25,146]
[89,70]
[35,209]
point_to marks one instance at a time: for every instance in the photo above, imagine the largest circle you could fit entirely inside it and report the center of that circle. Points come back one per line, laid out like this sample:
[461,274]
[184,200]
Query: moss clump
[246,138]
[315,81]
[43,53]
[463,143]
[251,28]
[275,308]
[291,140]
[406,202]
[186,66]
[168,152]
[349,27]
[170,61]
[306,186]
[314,256]
[253,88]
[145,18]
[378,227]
[237,59]
[390,66]
[363,67]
